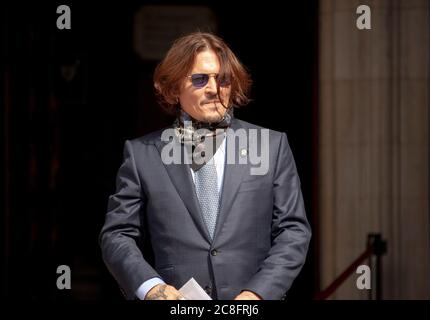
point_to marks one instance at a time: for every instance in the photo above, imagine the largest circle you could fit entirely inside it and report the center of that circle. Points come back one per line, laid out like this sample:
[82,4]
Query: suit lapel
[233,175]
[181,178]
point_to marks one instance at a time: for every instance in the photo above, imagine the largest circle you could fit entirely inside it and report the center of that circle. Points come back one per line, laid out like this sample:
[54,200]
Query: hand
[247,295]
[164,292]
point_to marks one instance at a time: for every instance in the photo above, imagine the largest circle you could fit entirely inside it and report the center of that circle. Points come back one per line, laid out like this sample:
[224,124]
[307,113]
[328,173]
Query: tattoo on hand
[160,294]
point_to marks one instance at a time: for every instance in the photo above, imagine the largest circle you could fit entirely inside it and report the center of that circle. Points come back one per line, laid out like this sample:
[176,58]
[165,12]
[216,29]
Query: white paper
[192,291]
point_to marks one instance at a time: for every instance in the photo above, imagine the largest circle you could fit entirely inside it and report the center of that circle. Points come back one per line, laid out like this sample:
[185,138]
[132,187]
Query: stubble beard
[214,115]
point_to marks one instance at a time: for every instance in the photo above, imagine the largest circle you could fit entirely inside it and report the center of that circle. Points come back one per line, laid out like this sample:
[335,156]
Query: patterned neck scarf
[190,131]
[201,135]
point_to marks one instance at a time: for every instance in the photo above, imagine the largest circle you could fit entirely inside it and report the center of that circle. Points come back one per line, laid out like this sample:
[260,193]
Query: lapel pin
[243,152]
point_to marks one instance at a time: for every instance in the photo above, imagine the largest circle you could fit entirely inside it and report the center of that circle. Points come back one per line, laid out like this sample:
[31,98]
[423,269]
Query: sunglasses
[199,80]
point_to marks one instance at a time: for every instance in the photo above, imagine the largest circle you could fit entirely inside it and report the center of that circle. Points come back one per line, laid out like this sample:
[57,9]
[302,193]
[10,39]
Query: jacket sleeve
[122,230]
[290,231]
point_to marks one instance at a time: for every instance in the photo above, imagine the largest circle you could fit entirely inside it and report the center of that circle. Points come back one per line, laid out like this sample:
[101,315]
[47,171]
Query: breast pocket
[253,185]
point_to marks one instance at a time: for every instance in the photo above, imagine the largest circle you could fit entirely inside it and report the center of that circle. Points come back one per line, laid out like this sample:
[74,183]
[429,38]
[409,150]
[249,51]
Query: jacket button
[214,252]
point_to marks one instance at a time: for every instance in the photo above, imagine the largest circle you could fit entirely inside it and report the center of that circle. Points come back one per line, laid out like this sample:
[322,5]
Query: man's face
[203,103]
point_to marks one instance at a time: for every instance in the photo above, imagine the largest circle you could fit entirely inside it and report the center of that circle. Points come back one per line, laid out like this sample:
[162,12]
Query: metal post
[379,247]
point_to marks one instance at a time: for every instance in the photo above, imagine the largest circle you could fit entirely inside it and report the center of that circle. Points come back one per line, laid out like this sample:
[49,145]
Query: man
[240,231]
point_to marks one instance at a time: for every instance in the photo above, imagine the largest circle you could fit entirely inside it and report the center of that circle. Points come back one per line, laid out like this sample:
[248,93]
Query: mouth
[212,102]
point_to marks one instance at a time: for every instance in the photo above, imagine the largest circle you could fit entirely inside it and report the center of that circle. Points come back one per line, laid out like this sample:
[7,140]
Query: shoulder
[148,139]
[273,134]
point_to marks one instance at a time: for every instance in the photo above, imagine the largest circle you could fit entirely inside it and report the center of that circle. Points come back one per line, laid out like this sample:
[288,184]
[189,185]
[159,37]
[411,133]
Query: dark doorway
[73,96]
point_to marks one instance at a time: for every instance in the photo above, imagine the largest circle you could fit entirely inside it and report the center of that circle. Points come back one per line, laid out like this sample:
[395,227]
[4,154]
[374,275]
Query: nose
[211,86]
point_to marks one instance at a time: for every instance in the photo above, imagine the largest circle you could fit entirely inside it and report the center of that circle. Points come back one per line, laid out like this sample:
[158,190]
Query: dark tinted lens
[223,80]
[199,80]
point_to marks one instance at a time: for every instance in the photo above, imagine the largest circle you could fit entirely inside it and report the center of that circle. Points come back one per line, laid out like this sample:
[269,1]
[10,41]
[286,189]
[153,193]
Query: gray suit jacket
[261,237]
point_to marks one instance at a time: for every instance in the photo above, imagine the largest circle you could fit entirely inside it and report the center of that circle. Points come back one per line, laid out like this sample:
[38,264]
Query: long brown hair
[179,60]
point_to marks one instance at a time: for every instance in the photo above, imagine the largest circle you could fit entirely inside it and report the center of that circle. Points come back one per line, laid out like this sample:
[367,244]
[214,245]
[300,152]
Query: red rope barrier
[344,275]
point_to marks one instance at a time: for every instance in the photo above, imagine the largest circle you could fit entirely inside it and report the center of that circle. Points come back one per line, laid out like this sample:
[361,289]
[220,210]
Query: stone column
[374,168]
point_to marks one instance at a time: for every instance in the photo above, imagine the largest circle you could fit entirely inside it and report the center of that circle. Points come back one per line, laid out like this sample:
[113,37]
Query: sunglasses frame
[208,75]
